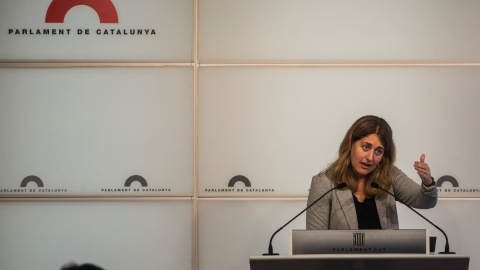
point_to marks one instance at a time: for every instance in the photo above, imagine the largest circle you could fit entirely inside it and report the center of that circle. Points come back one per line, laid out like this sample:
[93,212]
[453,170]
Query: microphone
[270,248]
[447,246]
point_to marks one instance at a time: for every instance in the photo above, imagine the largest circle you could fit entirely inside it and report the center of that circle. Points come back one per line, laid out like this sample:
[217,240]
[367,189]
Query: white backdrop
[280,126]
[261,92]
[312,31]
[153,234]
[86,131]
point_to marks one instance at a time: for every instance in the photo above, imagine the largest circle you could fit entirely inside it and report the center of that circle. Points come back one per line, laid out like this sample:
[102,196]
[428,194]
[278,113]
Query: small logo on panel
[131,186]
[136,178]
[239,178]
[449,179]
[58,9]
[358,239]
[31,178]
[239,184]
[32,184]
[443,185]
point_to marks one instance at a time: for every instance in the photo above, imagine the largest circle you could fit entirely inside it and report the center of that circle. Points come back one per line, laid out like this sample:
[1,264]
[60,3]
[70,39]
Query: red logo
[58,9]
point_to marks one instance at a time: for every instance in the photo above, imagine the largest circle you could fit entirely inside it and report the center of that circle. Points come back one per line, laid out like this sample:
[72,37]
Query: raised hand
[423,170]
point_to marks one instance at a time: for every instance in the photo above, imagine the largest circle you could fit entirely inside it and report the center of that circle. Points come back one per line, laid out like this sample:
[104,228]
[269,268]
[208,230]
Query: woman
[366,155]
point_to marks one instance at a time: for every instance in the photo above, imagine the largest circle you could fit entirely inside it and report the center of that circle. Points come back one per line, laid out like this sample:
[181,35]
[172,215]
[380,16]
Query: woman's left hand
[423,170]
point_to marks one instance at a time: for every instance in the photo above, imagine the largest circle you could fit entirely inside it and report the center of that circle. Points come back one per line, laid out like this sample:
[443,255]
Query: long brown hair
[342,171]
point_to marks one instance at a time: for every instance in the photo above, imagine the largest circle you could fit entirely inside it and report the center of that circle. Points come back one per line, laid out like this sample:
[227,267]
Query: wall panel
[279,126]
[113,235]
[87,131]
[145,30]
[310,31]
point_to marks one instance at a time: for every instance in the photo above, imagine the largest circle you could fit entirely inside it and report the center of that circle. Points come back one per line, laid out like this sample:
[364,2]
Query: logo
[129,186]
[136,178]
[443,187]
[447,178]
[104,8]
[58,9]
[31,178]
[38,189]
[239,178]
[358,239]
[243,185]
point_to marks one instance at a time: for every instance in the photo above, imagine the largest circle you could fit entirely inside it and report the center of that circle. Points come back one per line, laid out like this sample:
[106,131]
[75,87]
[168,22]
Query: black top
[367,214]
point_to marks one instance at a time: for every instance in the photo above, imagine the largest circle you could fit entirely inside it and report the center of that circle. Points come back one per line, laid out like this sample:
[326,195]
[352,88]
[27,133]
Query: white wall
[260,89]
[120,234]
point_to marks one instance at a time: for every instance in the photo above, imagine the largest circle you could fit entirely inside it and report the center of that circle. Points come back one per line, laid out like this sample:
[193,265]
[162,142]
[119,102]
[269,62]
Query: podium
[392,250]
[361,262]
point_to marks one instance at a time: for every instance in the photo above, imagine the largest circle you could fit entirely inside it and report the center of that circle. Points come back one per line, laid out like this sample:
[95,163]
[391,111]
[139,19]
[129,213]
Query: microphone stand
[270,247]
[447,246]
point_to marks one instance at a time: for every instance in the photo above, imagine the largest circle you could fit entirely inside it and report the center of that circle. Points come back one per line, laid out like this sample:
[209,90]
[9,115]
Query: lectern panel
[360,262]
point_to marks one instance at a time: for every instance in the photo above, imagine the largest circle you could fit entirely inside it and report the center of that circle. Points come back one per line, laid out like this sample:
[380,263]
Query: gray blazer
[336,211]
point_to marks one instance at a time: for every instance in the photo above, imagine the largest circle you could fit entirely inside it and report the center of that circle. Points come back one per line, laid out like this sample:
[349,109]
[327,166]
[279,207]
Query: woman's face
[366,154]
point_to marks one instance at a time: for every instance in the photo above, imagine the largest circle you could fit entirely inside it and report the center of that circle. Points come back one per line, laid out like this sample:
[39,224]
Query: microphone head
[341,185]
[374,185]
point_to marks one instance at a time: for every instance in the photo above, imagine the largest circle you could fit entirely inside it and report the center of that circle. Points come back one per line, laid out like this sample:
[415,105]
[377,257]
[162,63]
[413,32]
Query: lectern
[360,250]
[361,262]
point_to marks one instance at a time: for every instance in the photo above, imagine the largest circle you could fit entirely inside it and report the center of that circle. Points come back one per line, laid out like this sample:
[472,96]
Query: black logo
[137,178]
[358,239]
[455,186]
[239,189]
[239,178]
[127,186]
[39,189]
[31,178]
[447,178]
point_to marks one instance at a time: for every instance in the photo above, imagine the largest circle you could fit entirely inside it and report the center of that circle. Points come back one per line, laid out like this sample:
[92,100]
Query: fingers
[422,169]
[421,164]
